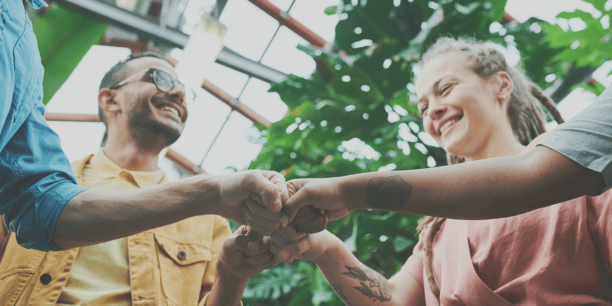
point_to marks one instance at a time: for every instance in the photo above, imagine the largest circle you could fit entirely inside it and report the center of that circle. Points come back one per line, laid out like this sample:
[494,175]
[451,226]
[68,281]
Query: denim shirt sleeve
[37,3]
[36,180]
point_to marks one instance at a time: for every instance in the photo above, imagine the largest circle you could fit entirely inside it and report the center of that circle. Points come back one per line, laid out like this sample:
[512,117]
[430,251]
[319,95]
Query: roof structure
[260,47]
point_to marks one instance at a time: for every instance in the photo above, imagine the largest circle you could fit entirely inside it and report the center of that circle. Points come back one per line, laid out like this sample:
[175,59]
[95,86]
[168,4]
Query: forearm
[492,188]
[354,282]
[96,216]
[227,289]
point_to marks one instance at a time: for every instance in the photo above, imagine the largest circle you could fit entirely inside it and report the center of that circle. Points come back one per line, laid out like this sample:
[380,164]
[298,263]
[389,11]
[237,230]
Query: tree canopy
[356,113]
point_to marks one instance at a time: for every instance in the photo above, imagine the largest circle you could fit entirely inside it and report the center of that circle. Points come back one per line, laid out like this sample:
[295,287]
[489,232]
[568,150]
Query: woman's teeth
[170,109]
[447,125]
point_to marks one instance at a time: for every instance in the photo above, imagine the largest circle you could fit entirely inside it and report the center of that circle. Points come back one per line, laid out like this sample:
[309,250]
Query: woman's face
[461,110]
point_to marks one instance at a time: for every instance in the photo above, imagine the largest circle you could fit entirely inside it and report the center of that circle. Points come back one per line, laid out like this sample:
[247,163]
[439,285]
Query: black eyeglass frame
[155,74]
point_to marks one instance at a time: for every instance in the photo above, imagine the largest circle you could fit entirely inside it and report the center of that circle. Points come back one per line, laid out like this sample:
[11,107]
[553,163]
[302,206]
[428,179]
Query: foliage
[365,96]
[64,37]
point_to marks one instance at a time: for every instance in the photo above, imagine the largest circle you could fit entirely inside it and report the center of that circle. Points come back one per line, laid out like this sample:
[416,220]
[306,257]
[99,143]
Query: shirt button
[45,278]
[182,255]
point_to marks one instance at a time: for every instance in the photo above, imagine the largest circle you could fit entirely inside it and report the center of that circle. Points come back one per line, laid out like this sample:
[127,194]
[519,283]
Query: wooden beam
[235,104]
[228,99]
[288,21]
[182,161]
[72,117]
[172,155]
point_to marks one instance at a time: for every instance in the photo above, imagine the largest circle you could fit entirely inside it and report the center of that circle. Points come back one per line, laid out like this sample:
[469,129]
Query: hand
[309,220]
[262,191]
[319,193]
[289,244]
[244,257]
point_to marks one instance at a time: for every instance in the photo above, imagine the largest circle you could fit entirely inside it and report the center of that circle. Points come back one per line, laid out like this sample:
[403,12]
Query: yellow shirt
[101,272]
[169,265]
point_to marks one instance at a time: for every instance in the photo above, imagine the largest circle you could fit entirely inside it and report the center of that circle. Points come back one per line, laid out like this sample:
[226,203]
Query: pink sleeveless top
[557,255]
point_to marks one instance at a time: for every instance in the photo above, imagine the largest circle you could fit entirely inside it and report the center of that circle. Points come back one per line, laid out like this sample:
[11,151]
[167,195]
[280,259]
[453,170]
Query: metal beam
[229,100]
[144,26]
[575,76]
[288,21]
[219,7]
[235,104]
[172,155]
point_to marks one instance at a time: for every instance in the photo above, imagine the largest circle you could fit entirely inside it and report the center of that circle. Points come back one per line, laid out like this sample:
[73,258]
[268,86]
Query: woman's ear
[505,87]
[106,101]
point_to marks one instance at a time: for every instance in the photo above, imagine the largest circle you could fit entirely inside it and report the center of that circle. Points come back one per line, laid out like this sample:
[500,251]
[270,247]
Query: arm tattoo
[373,285]
[340,294]
[387,192]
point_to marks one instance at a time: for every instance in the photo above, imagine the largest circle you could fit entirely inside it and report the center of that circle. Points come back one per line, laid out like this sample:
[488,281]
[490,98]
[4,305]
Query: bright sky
[249,31]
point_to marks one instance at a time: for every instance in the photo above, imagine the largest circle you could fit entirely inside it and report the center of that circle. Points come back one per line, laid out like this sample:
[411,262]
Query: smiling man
[144,109]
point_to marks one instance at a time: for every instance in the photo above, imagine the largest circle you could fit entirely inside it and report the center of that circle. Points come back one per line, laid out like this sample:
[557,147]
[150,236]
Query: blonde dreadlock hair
[526,116]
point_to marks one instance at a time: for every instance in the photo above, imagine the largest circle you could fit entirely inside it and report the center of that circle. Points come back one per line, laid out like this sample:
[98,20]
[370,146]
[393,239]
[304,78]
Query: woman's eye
[423,110]
[445,88]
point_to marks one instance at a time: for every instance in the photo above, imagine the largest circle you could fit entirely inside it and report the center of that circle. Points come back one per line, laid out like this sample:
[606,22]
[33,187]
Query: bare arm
[485,189]
[354,282]
[96,216]
[240,258]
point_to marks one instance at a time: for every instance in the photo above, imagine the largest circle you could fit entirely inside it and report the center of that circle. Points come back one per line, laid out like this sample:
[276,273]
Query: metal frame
[133,22]
[288,21]
[172,155]
[114,15]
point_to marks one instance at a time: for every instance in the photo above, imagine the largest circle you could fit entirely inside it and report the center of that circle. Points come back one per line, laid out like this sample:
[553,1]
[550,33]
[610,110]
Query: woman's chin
[453,146]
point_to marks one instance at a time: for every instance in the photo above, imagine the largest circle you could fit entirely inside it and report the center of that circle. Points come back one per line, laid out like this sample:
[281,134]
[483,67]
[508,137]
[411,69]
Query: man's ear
[107,102]
[506,86]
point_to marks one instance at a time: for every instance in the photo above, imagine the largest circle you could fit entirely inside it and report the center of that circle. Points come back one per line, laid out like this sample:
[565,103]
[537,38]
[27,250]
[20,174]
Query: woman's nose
[436,110]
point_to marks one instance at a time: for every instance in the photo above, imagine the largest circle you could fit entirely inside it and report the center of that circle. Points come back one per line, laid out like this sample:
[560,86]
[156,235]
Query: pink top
[558,255]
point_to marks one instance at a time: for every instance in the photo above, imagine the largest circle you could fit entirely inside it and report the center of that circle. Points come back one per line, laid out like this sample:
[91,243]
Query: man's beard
[148,133]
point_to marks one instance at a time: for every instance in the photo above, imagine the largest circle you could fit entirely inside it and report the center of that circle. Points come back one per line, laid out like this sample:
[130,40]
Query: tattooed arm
[354,282]
[484,189]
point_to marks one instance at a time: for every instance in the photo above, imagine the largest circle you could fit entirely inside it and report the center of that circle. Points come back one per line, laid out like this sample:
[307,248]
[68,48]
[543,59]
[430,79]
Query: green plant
[366,97]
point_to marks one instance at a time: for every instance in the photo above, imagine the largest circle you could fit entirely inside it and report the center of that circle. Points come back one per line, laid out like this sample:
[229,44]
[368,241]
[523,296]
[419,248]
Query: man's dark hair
[117,74]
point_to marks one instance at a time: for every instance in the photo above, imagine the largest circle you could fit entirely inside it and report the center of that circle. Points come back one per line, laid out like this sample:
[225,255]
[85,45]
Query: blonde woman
[477,107]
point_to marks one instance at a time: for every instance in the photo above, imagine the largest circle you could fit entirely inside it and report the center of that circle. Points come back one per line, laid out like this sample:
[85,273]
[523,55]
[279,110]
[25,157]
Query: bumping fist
[309,220]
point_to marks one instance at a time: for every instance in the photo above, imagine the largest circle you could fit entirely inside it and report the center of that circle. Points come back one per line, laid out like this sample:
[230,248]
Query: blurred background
[311,88]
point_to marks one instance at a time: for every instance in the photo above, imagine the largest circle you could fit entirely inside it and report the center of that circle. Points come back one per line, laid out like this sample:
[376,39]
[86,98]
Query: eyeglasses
[163,81]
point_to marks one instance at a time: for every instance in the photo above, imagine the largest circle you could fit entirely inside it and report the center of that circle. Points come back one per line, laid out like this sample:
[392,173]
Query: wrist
[326,247]
[347,192]
[224,274]
[208,199]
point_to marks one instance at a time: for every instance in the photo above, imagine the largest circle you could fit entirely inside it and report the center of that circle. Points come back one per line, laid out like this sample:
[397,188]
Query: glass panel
[249,29]
[192,15]
[267,104]
[311,14]
[284,56]
[229,80]
[79,94]
[232,148]
[205,119]
[282,4]
[79,139]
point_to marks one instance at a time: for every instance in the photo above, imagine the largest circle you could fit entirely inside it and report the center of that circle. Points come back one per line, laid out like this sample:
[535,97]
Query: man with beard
[144,109]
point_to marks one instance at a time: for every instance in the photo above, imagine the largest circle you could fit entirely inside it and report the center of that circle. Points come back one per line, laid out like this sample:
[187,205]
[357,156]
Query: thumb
[293,250]
[268,187]
[291,207]
[245,244]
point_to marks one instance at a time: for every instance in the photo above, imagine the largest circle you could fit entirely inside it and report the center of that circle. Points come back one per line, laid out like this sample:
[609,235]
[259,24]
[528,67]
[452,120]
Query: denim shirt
[36,180]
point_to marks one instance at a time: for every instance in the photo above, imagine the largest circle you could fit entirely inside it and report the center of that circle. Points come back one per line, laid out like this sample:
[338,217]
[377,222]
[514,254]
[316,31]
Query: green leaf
[401,243]
[598,4]
[597,89]
[331,10]
[64,37]
[586,17]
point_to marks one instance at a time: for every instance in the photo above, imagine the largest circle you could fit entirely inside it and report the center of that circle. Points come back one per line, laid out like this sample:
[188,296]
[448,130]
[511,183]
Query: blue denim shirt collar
[37,3]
